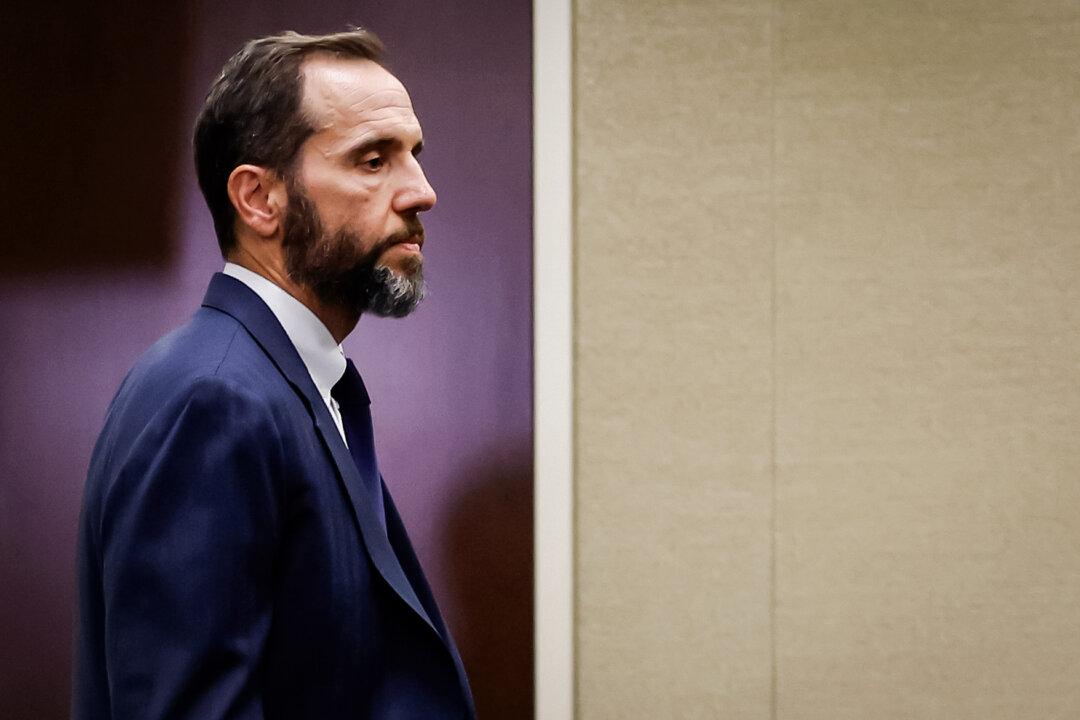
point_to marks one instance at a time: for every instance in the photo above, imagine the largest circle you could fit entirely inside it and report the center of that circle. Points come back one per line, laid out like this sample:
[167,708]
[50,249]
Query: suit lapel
[232,297]
[403,548]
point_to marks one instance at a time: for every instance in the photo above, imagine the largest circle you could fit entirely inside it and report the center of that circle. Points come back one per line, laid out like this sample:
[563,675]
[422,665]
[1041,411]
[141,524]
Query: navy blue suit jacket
[228,565]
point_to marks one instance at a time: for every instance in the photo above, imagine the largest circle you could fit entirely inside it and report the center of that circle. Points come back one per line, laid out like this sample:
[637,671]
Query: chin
[392,293]
[405,266]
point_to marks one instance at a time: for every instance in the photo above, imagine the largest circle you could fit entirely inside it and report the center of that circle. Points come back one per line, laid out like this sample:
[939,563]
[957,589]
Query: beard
[333,266]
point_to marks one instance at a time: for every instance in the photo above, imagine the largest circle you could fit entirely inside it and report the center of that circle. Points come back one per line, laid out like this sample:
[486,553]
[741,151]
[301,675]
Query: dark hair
[253,112]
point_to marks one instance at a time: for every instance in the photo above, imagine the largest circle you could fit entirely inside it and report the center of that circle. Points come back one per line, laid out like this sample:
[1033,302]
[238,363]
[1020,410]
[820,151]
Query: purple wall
[451,385]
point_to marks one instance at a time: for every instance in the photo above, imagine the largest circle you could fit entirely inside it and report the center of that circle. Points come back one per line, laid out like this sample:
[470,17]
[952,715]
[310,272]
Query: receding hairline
[329,58]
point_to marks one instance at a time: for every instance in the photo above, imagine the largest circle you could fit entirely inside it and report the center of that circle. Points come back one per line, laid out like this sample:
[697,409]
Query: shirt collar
[323,357]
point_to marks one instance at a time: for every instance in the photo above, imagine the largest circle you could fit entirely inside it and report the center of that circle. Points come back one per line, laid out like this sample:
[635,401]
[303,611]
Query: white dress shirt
[323,358]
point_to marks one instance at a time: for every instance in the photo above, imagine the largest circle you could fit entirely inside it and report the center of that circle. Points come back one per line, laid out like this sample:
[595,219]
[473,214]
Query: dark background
[106,245]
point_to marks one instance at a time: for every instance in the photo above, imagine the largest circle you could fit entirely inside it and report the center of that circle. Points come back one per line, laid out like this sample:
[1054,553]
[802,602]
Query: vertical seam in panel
[774,669]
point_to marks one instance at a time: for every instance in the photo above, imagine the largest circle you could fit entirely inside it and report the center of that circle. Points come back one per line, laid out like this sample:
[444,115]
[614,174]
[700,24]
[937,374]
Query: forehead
[346,96]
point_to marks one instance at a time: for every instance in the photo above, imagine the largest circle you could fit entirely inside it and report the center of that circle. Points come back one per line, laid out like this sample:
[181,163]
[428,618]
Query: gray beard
[393,295]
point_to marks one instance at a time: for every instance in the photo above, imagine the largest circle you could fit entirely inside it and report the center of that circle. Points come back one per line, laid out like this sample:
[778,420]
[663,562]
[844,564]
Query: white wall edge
[553,544]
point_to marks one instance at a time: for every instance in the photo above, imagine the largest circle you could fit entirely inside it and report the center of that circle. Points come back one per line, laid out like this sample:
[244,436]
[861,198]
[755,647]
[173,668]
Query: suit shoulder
[211,344]
[212,358]
[196,348]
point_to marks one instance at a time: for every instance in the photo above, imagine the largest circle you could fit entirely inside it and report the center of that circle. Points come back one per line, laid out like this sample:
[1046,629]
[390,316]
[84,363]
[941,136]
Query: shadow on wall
[91,135]
[488,556]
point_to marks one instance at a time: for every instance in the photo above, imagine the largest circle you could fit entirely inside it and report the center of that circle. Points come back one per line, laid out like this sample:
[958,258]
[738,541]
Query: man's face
[351,228]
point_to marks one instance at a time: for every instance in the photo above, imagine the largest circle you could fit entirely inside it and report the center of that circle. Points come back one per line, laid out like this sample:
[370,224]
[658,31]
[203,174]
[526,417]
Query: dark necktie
[352,398]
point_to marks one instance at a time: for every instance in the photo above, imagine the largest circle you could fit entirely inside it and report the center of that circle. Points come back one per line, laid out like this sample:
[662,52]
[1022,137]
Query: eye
[372,162]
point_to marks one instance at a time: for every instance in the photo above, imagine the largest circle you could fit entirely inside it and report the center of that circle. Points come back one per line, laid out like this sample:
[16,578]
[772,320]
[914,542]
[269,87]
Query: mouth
[412,244]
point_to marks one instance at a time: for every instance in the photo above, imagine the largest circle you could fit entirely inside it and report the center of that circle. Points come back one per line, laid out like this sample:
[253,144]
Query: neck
[339,320]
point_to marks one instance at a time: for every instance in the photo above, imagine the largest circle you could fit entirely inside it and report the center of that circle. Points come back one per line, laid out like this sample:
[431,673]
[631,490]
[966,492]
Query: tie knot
[349,391]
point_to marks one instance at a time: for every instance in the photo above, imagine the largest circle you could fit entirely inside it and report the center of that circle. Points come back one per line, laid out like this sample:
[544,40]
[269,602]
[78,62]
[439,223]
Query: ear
[258,194]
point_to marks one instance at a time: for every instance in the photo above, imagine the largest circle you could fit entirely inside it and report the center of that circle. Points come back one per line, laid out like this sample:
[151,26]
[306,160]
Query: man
[239,556]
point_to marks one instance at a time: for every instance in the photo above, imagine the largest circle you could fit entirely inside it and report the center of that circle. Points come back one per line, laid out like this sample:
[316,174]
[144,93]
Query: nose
[416,194]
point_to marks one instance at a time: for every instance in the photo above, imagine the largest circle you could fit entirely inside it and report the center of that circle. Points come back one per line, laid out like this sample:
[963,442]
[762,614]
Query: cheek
[364,213]
[359,198]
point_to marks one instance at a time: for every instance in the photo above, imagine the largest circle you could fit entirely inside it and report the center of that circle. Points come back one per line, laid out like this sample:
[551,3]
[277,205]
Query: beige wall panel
[928,343]
[673,359]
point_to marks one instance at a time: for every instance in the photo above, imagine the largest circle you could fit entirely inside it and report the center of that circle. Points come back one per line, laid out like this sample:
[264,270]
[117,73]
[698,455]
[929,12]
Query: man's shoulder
[208,368]
[212,353]
[212,343]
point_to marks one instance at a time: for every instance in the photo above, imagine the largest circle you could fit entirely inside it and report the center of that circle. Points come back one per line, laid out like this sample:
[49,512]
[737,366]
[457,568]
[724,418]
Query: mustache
[413,231]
